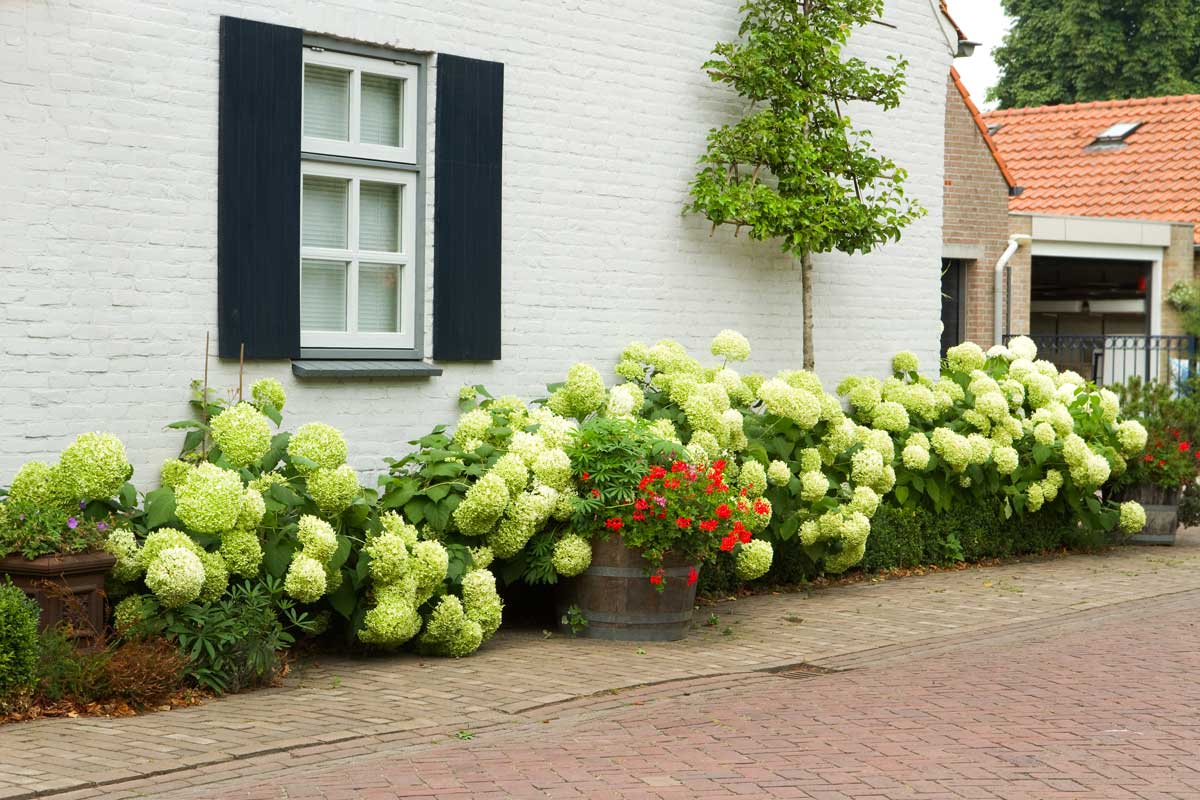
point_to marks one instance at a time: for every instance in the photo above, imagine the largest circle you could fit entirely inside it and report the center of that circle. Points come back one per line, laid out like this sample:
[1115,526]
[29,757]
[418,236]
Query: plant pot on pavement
[1162,513]
[619,602]
[68,588]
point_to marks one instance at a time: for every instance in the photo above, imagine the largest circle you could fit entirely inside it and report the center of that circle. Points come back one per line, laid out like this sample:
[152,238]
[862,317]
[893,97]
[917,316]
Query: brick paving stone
[405,701]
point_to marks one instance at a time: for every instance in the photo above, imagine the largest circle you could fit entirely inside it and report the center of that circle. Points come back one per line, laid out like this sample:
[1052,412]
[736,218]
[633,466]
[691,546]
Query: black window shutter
[466,216]
[258,190]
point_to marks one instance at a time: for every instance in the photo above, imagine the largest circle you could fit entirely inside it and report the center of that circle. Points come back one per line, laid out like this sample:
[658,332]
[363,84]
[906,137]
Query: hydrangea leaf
[160,507]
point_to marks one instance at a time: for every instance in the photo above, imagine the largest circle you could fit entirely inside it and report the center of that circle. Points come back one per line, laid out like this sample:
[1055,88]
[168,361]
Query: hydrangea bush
[1001,427]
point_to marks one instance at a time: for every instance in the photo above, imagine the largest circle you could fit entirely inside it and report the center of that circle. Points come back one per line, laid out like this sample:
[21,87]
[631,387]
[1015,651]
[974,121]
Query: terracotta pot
[47,579]
[619,602]
[1162,513]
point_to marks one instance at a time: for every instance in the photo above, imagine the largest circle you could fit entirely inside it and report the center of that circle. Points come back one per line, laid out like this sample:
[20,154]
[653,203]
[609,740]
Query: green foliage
[67,671]
[575,620]
[18,644]
[234,643]
[1170,413]
[1076,51]
[1184,297]
[33,529]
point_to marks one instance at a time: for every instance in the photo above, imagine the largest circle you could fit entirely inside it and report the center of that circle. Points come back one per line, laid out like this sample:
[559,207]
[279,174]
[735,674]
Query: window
[1115,134]
[360,177]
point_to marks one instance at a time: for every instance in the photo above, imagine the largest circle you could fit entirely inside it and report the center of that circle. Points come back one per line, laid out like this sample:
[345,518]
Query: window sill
[328,368]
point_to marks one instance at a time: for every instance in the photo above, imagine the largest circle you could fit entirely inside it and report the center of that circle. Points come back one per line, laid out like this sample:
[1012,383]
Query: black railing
[1110,360]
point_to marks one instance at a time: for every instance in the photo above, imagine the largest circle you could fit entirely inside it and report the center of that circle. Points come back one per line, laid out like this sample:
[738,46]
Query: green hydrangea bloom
[95,465]
[242,433]
[391,623]
[731,345]
[630,370]
[966,357]
[165,539]
[305,579]
[174,472]
[124,545]
[1043,433]
[1131,436]
[472,426]
[268,391]
[252,511]
[210,499]
[813,486]
[837,563]
[31,484]
[664,429]
[321,444]
[865,501]
[448,632]
[1133,517]
[242,552]
[263,483]
[581,394]
[482,505]
[511,467]
[915,458]
[394,523]
[176,576]
[753,478]
[1034,497]
[890,416]
[317,538]
[905,361]
[553,468]
[784,400]
[778,473]
[623,400]
[572,555]
[1023,347]
[333,490]
[130,613]
[481,603]
[216,577]
[389,557]
[481,557]
[754,559]
[428,564]
[952,447]
[1006,460]
[866,466]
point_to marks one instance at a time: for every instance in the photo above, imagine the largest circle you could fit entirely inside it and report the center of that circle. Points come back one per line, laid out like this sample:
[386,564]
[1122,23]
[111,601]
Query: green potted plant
[648,518]
[54,521]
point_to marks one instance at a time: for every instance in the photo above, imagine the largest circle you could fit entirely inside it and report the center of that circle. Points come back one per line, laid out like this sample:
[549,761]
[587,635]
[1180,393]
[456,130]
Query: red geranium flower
[728,542]
[709,525]
[586,476]
[640,504]
[671,483]
[723,511]
[744,536]
[719,465]
[684,522]
[1184,447]
[678,466]
[760,507]
[595,492]
[693,576]
[614,523]
[638,516]
[1149,457]
[656,579]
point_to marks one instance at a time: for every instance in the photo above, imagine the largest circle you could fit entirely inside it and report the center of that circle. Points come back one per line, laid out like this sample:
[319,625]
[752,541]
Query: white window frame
[405,338]
[406,153]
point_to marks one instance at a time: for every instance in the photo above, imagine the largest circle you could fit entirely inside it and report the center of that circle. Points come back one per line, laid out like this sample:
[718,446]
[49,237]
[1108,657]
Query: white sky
[982,21]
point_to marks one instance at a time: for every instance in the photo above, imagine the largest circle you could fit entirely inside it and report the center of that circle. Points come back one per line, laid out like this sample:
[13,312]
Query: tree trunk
[806,267]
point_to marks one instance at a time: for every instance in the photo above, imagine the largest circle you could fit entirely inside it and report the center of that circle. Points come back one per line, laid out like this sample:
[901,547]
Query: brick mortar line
[886,653]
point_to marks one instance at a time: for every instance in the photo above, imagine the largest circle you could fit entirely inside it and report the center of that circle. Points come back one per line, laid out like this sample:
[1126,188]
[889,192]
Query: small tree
[793,167]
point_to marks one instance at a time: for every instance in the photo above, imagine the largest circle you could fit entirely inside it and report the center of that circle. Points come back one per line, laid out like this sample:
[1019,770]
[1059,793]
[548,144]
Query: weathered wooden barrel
[1162,514]
[619,602]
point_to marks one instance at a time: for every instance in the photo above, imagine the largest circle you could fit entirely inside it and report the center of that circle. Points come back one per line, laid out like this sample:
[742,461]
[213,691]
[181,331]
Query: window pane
[326,102]
[322,295]
[378,298]
[325,201]
[382,107]
[379,217]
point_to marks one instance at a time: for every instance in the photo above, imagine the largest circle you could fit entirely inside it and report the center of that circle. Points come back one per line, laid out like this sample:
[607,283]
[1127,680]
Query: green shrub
[18,644]
[66,671]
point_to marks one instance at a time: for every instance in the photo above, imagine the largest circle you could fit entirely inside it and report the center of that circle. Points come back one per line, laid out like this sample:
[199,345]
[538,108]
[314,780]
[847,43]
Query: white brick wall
[108,186]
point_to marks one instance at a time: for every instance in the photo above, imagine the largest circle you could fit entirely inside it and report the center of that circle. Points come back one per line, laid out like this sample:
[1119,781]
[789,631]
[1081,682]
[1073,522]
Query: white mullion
[352,277]
[355,106]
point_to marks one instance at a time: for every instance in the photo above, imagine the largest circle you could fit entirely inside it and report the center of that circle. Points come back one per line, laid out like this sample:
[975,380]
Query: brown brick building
[976,230]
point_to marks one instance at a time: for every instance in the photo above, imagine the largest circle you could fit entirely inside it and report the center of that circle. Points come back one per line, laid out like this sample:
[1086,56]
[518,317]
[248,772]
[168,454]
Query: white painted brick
[108,170]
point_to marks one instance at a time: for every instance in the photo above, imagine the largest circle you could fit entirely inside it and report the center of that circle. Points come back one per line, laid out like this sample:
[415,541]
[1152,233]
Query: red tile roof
[983,128]
[1154,175]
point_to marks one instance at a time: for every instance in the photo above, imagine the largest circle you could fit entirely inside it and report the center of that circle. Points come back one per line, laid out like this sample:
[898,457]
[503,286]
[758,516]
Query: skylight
[1116,134]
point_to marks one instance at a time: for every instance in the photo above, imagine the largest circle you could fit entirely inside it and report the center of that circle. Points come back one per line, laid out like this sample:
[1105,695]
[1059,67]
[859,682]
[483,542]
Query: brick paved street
[1008,681]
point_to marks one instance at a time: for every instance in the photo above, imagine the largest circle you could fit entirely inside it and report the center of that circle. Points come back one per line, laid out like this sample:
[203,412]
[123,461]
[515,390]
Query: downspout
[1014,243]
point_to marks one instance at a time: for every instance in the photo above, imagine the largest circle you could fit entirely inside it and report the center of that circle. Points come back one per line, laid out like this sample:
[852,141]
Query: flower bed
[257,536]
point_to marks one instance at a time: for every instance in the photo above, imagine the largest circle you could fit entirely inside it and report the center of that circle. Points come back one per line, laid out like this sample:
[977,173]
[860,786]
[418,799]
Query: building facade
[128,155]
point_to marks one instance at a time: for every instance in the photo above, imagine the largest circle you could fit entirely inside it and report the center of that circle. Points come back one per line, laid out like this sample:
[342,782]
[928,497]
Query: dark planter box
[1162,514]
[619,602]
[52,581]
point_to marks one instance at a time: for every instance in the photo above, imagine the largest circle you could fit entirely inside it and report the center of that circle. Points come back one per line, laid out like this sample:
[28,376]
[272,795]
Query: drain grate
[802,671]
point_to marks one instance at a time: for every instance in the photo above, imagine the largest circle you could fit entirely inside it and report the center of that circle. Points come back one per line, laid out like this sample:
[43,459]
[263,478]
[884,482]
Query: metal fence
[1110,360]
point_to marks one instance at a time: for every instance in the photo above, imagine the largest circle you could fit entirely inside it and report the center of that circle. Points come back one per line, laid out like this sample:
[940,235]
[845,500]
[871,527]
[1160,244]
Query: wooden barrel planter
[619,602]
[69,589]
[1162,513]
